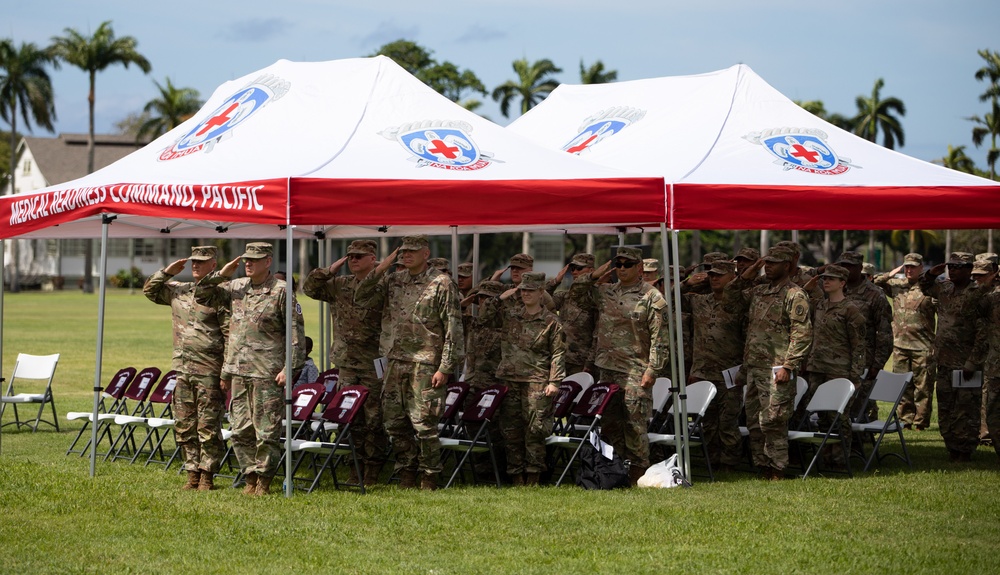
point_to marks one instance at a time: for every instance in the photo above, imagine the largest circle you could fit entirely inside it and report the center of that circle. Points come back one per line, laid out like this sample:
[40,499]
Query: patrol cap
[258,250]
[982,268]
[363,247]
[650,265]
[868,268]
[439,264]
[711,257]
[960,258]
[913,259]
[523,261]
[779,254]
[987,256]
[585,260]
[722,267]
[851,259]
[465,270]
[490,288]
[203,253]
[532,281]
[747,254]
[634,254]
[413,243]
[835,271]
[794,246]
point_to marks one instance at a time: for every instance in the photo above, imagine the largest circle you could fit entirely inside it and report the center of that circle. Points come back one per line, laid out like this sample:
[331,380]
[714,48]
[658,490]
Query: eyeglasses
[625,264]
[357,256]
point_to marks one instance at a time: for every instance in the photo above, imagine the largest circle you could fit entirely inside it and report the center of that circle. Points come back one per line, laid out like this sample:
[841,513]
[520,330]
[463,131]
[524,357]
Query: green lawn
[938,518]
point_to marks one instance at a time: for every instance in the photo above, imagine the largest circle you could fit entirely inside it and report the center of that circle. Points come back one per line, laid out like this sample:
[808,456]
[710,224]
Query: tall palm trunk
[88,244]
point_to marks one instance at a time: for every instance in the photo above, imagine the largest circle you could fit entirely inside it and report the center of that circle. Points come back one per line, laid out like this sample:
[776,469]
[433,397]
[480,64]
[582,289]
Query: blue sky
[925,50]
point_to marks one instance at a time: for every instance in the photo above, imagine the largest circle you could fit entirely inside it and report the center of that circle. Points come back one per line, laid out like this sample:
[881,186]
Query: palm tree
[596,74]
[991,71]
[818,109]
[988,125]
[173,107]
[533,84]
[876,114]
[93,54]
[957,160]
[25,87]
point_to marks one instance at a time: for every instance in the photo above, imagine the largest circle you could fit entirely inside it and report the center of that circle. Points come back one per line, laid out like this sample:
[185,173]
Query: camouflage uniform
[533,354]
[872,303]
[425,336]
[578,314]
[482,345]
[354,350]
[913,337]
[987,356]
[199,349]
[717,345]
[630,340]
[255,355]
[958,409]
[838,350]
[779,333]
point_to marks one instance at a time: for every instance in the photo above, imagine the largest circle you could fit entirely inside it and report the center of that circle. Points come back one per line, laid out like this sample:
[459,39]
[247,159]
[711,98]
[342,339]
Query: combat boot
[264,485]
[372,471]
[408,479]
[251,488]
[428,482]
[206,483]
[194,477]
[517,480]
[531,479]
[634,473]
[777,474]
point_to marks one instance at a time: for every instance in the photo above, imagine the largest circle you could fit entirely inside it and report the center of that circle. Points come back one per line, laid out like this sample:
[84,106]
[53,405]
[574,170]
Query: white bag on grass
[664,474]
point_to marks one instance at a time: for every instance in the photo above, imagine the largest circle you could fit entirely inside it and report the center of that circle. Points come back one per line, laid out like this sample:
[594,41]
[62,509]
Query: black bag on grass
[596,470]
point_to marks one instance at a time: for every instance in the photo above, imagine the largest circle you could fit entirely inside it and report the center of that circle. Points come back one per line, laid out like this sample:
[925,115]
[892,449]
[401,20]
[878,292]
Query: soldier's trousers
[373,440]
[525,422]
[256,410]
[958,413]
[993,410]
[198,403]
[627,416]
[918,400]
[411,409]
[721,428]
[768,406]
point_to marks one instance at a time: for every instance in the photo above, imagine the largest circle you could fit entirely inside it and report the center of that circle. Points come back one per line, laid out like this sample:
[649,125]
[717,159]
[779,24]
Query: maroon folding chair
[472,434]
[133,403]
[347,403]
[563,404]
[586,417]
[157,407]
[114,391]
[454,400]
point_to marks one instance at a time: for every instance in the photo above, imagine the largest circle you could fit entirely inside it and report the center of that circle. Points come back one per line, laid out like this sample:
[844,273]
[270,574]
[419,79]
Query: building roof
[64,158]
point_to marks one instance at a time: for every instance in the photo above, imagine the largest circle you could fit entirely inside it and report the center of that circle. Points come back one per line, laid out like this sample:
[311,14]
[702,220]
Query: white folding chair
[699,396]
[37,368]
[889,387]
[584,379]
[831,397]
[661,395]
[114,391]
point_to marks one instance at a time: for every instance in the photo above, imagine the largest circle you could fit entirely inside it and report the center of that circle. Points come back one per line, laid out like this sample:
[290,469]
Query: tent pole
[682,430]
[324,357]
[328,334]
[105,223]
[2,269]
[668,287]
[289,375]
[475,259]
[454,252]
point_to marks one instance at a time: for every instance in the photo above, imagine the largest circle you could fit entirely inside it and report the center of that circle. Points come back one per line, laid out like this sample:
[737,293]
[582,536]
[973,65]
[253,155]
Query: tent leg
[454,252]
[682,431]
[475,259]
[668,283]
[289,381]
[102,293]
[2,258]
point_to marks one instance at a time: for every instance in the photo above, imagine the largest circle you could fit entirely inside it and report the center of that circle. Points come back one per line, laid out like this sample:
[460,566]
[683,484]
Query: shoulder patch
[298,308]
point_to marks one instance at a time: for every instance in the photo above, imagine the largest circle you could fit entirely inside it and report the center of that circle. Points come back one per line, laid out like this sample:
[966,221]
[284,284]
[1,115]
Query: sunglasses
[625,264]
[959,266]
[575,268]
[357,256]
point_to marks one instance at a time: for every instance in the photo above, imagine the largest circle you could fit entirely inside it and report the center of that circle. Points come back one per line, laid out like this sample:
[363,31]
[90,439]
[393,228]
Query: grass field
[938,518]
